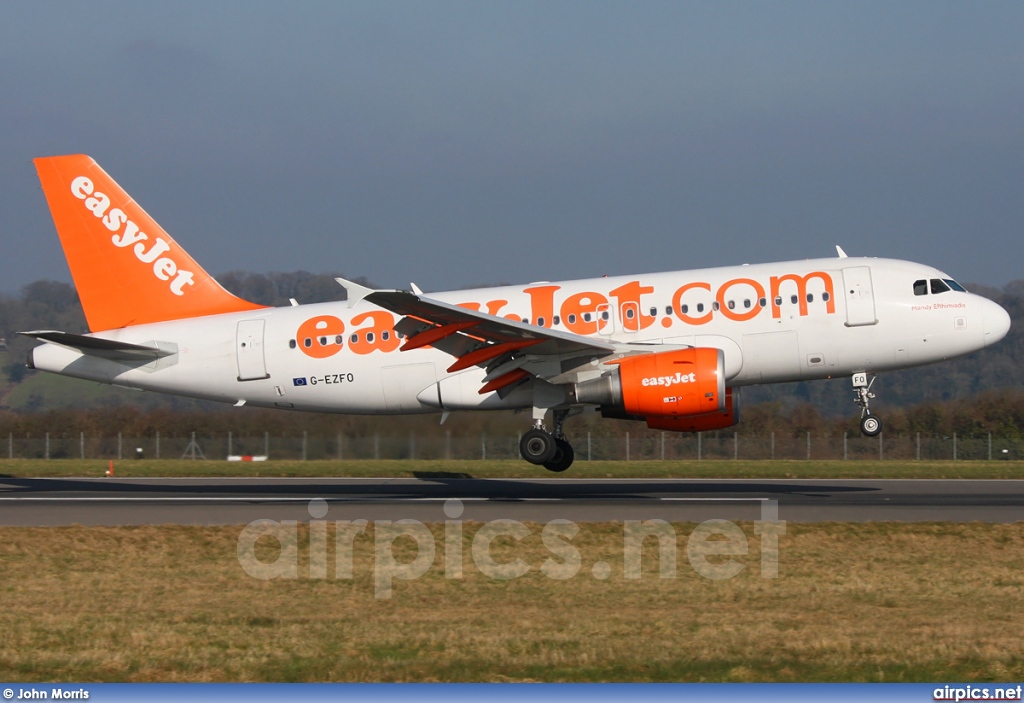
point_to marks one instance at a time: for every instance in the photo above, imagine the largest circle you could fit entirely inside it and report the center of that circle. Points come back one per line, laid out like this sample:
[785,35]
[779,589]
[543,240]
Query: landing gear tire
[563,457]
[538,447]
[870,426]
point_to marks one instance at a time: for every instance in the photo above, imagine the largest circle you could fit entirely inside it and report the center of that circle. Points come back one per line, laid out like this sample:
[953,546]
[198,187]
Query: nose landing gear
[870,425]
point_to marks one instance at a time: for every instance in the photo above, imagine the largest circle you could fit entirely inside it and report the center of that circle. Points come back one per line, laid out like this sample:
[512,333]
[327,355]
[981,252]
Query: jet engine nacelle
[672,384]
[718,420]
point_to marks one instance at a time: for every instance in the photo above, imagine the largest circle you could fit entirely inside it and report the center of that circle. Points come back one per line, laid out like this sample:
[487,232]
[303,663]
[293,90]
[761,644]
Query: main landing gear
[870,425]
[548,449]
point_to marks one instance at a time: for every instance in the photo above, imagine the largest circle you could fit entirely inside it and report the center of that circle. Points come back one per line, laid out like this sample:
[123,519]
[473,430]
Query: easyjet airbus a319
[667,348]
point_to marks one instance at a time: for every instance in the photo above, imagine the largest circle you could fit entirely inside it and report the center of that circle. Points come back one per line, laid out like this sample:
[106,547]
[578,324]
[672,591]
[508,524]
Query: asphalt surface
[233,501]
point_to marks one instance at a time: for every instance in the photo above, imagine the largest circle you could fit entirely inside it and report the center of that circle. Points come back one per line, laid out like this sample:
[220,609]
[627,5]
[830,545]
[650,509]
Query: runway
[230,501]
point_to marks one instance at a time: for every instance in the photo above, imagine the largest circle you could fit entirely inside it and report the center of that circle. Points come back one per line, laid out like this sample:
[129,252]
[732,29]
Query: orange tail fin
[127,270]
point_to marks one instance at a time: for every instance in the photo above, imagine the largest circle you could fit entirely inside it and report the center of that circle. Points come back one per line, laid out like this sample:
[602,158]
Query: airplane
[671,349]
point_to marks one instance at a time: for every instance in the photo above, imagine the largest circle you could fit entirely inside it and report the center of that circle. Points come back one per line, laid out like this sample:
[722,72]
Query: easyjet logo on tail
[127,234]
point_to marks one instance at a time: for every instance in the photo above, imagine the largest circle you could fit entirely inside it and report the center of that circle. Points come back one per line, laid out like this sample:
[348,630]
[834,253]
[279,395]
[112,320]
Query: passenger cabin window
[540,321]
[586,317]
[686,308]
[291,344]
[700,307]
[921,287]
[793,299]
[604,315]
[825,296]
[763,302]
[654,311]
[668,310]
[629,314]
[746,302]
[556,320]
[778,300]
[572,319]
[938,286]
[732,304]
[810,297]
[339,339]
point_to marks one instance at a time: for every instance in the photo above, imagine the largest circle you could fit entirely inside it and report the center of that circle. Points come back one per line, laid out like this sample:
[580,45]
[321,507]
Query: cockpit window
[954,285]
[921,287]
[938,286]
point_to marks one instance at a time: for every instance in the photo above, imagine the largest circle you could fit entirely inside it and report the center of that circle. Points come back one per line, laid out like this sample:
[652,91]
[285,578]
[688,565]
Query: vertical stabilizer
[127,269]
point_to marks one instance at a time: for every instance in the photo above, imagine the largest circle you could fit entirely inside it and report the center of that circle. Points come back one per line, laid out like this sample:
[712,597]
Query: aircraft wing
[511,350]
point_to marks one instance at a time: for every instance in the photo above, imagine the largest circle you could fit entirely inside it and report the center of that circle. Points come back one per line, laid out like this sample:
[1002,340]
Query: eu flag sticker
[299,381]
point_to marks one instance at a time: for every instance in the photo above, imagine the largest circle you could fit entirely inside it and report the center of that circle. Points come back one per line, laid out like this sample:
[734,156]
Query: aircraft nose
[995,322]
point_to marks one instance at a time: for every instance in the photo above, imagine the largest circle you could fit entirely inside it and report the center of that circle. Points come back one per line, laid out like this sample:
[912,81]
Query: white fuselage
[775,322]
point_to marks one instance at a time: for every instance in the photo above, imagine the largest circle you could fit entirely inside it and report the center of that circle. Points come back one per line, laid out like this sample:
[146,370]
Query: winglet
[356,292]
[842,254]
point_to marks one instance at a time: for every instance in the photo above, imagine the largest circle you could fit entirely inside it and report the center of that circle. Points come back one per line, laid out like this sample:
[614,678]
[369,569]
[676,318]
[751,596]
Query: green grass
[520,469]
[868,602]
[48,391]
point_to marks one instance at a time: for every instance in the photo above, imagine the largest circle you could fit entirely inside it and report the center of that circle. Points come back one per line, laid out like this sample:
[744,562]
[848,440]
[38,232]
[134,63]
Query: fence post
[483,447]
[880,445]
[448,445]
[773,446]
[341,455]
[304,445]
[376,446]
[47,445]
[663,446]
[954,446]
[10,445]
[412,445]
[230,444]
[588,446]
[700,449]
[157,445]
[846,446]
[266,444]
[735,446]
[81,445]
[919,446]
[808,446]
[990,446]
[627,446]
[119,446]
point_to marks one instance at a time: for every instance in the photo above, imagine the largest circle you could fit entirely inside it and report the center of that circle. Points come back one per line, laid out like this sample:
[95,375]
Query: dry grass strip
[872,602]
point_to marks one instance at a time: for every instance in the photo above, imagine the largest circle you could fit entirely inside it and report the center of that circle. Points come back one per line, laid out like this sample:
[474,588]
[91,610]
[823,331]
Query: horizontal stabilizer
[97,346]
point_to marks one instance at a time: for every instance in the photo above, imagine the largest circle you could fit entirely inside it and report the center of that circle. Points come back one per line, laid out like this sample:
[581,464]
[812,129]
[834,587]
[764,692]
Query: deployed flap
[96,346]
[486,328]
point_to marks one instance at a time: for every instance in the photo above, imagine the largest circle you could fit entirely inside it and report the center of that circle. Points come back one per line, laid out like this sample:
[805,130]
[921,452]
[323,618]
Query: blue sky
[454,144]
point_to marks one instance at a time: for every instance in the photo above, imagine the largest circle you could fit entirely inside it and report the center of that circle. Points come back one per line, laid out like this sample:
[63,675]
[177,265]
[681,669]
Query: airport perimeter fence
[664,446]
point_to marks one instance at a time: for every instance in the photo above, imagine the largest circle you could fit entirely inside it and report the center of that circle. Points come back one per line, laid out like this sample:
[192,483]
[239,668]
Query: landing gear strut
[550,450]
[870,425]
